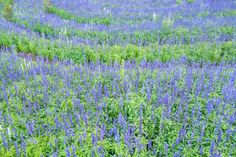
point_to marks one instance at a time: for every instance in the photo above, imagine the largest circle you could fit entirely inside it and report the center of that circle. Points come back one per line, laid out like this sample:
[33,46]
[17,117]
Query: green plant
[8,10]
[68,16]
[108,54]
[47,4]
[190,1]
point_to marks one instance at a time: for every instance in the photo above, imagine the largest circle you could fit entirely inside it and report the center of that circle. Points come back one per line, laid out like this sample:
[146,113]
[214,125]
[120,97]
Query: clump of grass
[49,8]
[190,1]
[8,10]
[178,2]
[47,4]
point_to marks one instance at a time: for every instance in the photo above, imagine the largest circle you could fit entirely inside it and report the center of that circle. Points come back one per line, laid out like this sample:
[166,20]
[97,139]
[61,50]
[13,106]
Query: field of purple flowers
[117,78]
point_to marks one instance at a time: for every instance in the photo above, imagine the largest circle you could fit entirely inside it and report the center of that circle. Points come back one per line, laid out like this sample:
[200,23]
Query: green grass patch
[68,16]
[6,9]
[227,13]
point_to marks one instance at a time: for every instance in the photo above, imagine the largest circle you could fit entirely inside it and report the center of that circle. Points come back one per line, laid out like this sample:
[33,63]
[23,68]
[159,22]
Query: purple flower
[30,127]
[166,99]
[189,80]
[95,97]
[23,145]
[117,136]
[92,153]
[198,89]
[182,133]
[106,91]
[85,119]
[55,154]
[177,140]
[68,152]
[99,90]
[100,149]
[16,89]
[103,132]
[177,154]
[73,151]
[57,123]
[199,113]
[219,136]
[212,147]
[209,107]
[127,136]
[77,118]
[17,149]
[149,144]
[201,150]
[148,92]
[120,119]
[5,95]
[141,118]
[125,85]
[94,139]
[35,107]
[71,119]
[5,143]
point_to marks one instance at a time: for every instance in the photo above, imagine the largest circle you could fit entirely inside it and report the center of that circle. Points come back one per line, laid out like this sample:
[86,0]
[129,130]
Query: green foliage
[108,54]
[152,46]
[203,14]
[226,13]
[44,29]
[167,23]
[47,4]
[7,9]
[228,30]
[190,1]
[68,16]
[178,2]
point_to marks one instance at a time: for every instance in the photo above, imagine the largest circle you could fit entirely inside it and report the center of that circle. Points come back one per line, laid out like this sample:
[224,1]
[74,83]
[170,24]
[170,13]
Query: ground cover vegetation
[117,78]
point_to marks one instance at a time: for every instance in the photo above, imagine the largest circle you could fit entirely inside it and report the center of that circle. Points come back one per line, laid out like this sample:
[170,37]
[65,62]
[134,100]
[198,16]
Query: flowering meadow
[118,78]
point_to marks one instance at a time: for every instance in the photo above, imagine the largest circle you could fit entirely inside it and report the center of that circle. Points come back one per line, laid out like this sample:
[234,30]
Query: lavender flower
[141,119]
[5,94]
[117,137]
[219,136]
[5,143]
[30,127]
[94,139]
[209,107]
[212,147]
[103,132]
[201,150]
[17,149]
[149,144]
[68,152]
[73,151]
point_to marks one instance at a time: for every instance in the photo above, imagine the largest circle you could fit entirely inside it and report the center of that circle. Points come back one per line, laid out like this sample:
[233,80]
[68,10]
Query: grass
[68,16]
[7,9]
